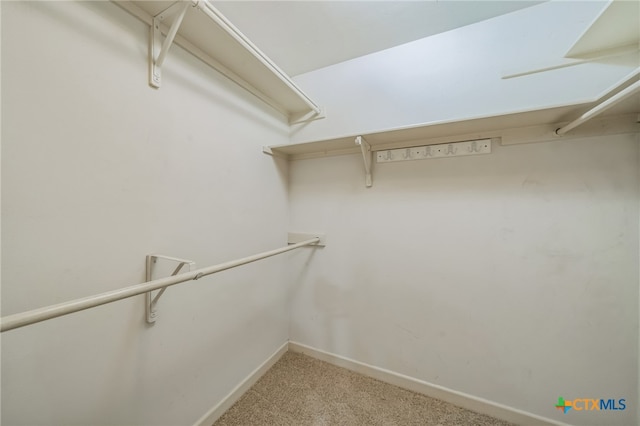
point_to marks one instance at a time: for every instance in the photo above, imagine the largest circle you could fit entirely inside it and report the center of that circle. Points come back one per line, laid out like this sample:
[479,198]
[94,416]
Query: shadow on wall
[93,34]
[299,262]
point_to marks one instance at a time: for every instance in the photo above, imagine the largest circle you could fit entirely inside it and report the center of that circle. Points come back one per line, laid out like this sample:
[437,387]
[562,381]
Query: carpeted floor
[299,390]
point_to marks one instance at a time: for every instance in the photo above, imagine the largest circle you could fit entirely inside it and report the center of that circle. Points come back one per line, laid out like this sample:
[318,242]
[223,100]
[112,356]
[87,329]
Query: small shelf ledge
[203,31]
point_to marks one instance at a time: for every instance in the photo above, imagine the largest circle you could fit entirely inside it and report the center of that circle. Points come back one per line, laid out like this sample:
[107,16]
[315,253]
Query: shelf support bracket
[157,49]
[151,300]
[367,154]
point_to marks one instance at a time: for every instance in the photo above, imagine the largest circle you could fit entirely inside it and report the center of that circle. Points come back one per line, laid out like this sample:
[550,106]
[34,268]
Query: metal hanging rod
[11,322]
[605,105]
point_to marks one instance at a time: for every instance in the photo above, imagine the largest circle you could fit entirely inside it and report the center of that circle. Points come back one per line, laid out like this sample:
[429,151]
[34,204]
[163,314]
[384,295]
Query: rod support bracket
[297,237]
[151,298]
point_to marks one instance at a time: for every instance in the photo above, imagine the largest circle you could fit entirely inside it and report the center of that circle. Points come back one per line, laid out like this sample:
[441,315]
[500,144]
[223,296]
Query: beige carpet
[299,390]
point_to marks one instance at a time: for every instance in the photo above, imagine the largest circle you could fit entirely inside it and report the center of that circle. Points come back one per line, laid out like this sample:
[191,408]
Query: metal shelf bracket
[367,154]
[157,48]
[151,299]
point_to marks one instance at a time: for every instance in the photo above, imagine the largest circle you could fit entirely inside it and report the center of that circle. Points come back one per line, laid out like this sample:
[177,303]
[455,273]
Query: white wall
[99,170]
[511,276]
[457,75]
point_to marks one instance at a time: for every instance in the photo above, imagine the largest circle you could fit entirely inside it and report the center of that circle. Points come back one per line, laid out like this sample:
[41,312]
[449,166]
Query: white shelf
[213,44]
[616,27]
[514,128]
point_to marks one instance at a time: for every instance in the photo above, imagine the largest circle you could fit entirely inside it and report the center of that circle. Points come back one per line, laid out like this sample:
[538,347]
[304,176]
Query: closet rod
[219,19]
[603,106]
[42,314]
[600,108]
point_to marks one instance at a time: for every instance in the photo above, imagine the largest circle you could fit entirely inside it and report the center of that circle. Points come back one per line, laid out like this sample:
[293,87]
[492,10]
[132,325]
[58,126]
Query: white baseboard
[470,402]
[216,412]
[442,393]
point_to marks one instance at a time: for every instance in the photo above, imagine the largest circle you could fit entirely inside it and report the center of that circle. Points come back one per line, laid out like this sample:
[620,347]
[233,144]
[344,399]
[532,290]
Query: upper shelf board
[617,26]
[201,35]
[519,127]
